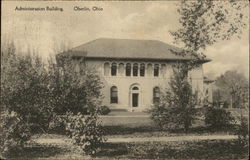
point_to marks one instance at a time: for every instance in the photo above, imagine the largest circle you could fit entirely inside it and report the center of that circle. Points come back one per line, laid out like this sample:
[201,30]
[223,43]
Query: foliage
[104,110]
[205,22]
[243,132]
[24,87]
[232,86]
[74,90]
[177,106]
[39,92]
[85,131]
[217,117]
[14,133]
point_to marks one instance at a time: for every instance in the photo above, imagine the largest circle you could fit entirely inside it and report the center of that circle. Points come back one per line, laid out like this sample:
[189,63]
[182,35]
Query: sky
[45,31]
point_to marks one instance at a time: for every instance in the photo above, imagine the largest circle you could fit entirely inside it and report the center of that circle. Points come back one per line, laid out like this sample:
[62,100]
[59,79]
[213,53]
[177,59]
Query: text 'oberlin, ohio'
[94,8]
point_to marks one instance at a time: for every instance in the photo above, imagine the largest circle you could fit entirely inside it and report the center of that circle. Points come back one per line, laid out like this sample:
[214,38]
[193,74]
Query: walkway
[172,139]
[58,141]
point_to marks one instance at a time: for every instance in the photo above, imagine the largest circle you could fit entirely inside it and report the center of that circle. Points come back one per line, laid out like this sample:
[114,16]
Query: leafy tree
[233,87]
[205,22]
[177,106]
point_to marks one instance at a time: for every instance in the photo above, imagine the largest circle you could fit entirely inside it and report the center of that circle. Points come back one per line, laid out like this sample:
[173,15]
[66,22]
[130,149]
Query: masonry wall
[145,84]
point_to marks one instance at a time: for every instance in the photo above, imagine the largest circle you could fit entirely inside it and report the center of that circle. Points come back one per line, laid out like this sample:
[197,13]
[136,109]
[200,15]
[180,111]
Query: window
[113,69]
[163,70]
[106,69]
[142,70]
[135,69]
[113,94]
[150,70]
[156,70]
[135,88]
[128,69]
[121,69]
[156,95]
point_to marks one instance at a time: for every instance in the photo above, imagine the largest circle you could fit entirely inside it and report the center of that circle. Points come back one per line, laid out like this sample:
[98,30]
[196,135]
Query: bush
[243,132]
[176,107]
[217,117]
[85,132]
[14,133]
[104,110]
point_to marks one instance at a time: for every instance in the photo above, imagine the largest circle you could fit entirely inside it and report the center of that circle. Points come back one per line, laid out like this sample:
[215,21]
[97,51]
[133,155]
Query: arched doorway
[135,96]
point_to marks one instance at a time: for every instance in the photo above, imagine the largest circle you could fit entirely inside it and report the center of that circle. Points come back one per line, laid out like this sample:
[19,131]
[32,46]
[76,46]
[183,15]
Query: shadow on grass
[122,130]
[118,130]
[175,150]
[39,151]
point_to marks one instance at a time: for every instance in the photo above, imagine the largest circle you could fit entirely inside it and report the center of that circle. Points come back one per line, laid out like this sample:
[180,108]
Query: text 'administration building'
[133,71]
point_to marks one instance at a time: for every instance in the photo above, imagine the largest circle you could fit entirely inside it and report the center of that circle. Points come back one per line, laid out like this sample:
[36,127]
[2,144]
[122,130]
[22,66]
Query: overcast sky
[43,30]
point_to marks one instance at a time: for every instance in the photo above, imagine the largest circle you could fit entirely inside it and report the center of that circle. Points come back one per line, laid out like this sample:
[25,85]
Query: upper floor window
[156,70]
[106,69]
[113,94]
[150,70]
[128,69]
[113,69]
[135,69]
[121,69]
[163,70]
[156,95]
[142,70]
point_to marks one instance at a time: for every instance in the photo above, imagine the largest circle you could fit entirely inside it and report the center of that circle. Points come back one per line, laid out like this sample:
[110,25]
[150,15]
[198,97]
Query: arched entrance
[135,96]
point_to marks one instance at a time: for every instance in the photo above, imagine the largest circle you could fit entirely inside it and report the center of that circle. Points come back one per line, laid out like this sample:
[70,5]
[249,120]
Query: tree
[205,22]
[233,87]
[177,106]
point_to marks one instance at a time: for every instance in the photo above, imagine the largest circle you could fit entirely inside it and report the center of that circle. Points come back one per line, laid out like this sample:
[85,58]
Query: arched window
[128,69]
[142,70]
[113,69]
[121,69]
[135,88]
[156,95]
[113,94]
[163,70]
[150,70]
[135,69]
[156,70]
[106,69]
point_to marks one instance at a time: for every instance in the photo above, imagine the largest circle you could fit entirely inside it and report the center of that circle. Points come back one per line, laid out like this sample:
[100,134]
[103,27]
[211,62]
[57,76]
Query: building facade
[134,72]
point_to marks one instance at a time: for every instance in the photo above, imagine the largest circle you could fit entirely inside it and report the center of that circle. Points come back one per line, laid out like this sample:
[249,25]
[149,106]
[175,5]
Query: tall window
[113,69]
[142,70]
[156,70]
[128,69]
[135,69]
[156,95]
[121,69]
[150,70]
[163,70]
[106,69]
[113,94]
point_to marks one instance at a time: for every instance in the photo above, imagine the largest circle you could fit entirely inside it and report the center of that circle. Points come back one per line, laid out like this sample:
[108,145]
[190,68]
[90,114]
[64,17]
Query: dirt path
[169,139]
[58,141]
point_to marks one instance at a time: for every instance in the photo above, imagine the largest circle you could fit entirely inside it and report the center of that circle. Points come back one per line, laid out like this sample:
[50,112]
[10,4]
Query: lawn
[51,148]
[205,149]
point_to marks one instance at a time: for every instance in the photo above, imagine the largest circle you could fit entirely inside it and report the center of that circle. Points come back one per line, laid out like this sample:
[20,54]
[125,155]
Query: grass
[207,149]
[181,150]
[126,131]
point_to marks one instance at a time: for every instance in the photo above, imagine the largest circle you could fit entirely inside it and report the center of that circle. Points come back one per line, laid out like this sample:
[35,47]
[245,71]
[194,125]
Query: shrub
[177,106]
[14,133]
[243,131]
[85,132]
[104,110]
[217,117]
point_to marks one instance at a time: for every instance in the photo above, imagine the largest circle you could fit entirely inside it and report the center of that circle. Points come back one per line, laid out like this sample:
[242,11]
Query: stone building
[133,71]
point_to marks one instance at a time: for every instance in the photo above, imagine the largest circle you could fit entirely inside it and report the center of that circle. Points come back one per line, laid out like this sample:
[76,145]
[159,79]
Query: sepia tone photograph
[124,79]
